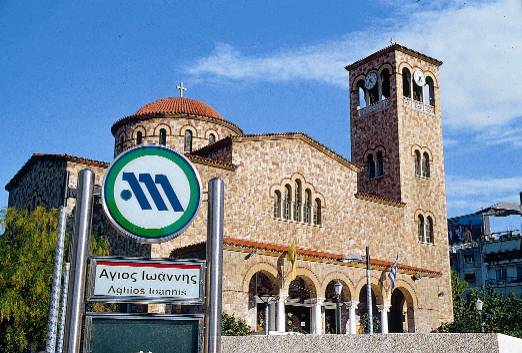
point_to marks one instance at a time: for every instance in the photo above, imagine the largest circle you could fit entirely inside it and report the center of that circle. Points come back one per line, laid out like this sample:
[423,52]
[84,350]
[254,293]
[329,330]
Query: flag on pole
[393,272]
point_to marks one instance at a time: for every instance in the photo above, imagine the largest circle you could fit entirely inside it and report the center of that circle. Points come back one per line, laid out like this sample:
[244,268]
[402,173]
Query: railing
[419,106]
[503,281]
[375,107]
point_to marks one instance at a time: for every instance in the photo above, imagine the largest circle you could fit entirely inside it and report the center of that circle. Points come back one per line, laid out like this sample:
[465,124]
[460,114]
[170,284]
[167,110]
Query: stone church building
[285,187]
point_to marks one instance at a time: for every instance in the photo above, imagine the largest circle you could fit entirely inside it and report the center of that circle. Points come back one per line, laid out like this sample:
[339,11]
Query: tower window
[406,82]
[120,145]
[429,230]
[429,91]
[188,141]
[361,94]
[418,162]
[277,204]
[379,164]
[371,166]
[417,92]
[373,95]
[385,84]
[139,138]
[421,228]
[211,138]
[425,165]
[163,137]
[317,212]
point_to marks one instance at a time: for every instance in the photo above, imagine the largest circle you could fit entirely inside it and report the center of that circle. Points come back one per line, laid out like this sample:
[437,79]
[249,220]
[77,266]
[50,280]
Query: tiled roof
[392,47]
[210,162]
[49,156]
[175,106]
[178,105]
[310,254]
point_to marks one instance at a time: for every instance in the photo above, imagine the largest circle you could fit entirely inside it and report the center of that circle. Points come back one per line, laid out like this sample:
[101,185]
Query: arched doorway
[401,316]
[330,307]
[262,292]
[362,310]
[301,293]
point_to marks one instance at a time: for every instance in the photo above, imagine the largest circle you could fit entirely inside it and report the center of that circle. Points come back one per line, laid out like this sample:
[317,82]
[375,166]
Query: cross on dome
[181,88]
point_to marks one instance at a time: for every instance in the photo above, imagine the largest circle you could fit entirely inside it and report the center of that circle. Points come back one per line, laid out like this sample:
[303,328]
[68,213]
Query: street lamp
[478,305]
[338,287]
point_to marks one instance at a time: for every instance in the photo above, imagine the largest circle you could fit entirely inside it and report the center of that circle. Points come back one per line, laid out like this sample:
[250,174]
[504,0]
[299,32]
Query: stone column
[281,314]
[384,309]
[317,317]
[352,305]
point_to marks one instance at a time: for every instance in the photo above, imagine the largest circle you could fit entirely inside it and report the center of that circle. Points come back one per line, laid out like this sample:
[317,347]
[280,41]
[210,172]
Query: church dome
[179,105]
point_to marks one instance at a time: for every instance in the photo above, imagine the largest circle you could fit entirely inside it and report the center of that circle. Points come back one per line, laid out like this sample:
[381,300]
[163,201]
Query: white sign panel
[132,280]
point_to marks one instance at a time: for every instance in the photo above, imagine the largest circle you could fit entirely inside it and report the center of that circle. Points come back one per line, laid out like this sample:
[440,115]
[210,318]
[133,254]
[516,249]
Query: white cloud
[469,194]
[480,44]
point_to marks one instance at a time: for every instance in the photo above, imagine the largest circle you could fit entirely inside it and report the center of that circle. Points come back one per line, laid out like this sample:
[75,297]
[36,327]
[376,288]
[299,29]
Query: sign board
[131,333]
[151,193]
[132,280]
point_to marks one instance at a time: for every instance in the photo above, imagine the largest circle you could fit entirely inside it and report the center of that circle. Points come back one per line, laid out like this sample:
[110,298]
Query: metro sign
[151,193]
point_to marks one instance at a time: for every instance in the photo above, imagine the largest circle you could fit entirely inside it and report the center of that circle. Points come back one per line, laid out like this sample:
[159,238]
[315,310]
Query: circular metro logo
[151,193]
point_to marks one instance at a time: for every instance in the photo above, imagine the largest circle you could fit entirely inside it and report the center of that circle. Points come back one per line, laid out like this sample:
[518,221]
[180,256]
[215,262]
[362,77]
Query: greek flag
[393,272]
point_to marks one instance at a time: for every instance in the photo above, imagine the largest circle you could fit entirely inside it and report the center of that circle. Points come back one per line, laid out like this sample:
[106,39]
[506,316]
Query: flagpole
[369,292]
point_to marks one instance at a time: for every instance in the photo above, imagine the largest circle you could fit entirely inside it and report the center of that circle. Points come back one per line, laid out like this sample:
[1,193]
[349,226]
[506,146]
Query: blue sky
[70,69]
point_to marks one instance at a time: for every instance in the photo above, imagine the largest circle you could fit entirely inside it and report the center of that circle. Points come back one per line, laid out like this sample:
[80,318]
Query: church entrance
[401,315]
[262,297]
[330,307]
[363,312]
[298,306]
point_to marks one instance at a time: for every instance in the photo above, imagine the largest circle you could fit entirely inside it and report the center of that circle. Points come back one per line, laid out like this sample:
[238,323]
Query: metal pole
[63,309]
[337,316]
[369,292]
[481,322]
[54,305]
[266,318]
[81,238]
[215,229]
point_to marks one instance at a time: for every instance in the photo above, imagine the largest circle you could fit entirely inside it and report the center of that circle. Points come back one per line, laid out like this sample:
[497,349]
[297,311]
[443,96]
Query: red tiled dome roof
[179,105]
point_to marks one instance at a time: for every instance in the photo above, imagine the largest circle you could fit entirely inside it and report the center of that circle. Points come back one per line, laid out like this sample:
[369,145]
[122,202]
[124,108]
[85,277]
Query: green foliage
[500,315]
[26,263]
[232,326]
[365,323]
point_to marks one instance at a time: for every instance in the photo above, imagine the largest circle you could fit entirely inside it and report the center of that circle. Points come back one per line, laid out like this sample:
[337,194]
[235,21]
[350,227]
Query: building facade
[284,188]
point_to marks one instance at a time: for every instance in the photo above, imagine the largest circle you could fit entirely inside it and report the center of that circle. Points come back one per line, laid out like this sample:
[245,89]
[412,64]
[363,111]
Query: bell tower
[396,136]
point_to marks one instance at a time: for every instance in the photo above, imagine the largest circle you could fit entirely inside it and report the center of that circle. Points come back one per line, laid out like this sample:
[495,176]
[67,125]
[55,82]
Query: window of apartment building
[469,259]
[501,274]
[469,277]
[519,273]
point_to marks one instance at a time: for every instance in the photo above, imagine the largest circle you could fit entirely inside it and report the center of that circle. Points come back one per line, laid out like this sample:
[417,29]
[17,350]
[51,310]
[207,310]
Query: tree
[26,262]
[500,315]
[232,326]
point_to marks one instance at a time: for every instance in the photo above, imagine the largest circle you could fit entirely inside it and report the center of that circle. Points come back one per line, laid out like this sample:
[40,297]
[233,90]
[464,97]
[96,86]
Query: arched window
[287,201]
[317,212]
[188,141]
[297,200]
[425,165]
[385,84]
[277,204]
[429,230]
[418,167]
[308,206]
[406,82]
[417,92]
[421,228]
[373,94]
[139,138]
[379,164]
[361,94]
[211,138]
[371,166]
[429,95]
[163,137]
[120,145]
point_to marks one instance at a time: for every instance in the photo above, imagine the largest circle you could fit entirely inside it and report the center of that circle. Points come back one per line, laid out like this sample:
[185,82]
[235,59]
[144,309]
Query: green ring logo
[151,193]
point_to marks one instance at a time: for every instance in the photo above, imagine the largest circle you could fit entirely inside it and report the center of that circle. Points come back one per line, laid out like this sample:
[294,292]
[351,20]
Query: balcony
[418,106]
[375,107]
[503,281]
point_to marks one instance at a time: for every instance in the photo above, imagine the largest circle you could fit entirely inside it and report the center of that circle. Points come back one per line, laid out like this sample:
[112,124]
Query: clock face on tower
[370,80]
[418,78]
